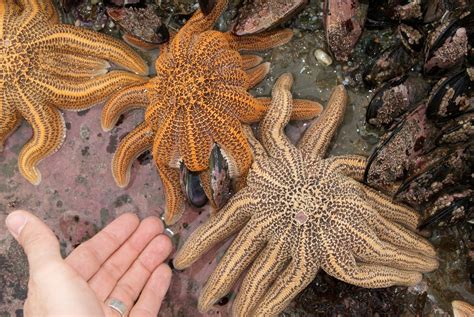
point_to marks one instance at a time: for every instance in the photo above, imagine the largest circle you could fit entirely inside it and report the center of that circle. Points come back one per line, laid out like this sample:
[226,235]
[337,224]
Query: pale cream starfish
[300,213]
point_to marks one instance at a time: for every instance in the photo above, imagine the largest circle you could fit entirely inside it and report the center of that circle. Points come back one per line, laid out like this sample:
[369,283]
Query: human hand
[124,261]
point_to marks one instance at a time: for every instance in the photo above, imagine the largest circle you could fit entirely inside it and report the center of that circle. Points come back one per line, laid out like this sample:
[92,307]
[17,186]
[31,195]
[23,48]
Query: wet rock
[13,277]
[142,27]
[259,15]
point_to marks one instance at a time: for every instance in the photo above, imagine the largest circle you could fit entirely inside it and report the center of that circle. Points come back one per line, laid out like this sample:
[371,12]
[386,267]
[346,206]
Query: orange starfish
[46,66]
[198,98]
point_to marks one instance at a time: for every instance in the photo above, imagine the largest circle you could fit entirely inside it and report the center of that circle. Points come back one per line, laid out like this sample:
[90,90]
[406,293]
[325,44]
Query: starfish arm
[294,278]
[342,265]
[72,66]
[227,132]
[399,235]
[121,102]
[257,74]
[133,145]
[317,138]
[250,61]
[10,119]
[349,165]
[231,218]
[371,250]
[257,149]
[49,132]
[390,210]
[303,109]
[62,37]
[266,268]
[175,200]
[272,126]
[45,7]
[195,144]
[73,95]
[241,253]
[462,309]
[259,42]
[200,22]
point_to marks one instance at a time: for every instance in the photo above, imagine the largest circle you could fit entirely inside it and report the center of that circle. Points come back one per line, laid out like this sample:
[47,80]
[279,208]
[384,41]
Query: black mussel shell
[459,130]
[394,61]
[386,13]
[394,158]
[413,38]
[221,183]
[394,98]
[451,97]
[450,208]
[191,186]
[441,169]
[207,6]
[447,46]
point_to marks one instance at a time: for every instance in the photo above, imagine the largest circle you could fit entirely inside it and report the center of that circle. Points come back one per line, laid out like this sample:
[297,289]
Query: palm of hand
[122,261]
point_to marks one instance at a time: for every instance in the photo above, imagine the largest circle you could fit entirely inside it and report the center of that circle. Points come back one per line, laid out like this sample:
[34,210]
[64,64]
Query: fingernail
[15,223]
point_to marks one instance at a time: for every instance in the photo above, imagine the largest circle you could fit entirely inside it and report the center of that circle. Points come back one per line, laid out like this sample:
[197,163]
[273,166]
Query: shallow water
[77,182]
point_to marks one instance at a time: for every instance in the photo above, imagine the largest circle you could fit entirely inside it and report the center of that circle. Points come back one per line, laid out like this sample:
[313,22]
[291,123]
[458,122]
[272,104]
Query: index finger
[87,258]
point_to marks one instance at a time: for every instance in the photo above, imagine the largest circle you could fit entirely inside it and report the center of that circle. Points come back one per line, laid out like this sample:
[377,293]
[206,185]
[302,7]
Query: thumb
[38,241]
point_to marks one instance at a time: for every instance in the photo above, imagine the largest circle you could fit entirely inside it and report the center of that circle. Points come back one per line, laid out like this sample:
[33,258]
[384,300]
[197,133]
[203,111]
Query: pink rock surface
[78,196]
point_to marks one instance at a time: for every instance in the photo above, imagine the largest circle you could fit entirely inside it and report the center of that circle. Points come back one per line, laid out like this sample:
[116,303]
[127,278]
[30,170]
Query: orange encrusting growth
[198,98]
[46,66]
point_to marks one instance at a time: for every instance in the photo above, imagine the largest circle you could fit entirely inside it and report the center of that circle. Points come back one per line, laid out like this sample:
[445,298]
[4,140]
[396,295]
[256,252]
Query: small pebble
[322,57]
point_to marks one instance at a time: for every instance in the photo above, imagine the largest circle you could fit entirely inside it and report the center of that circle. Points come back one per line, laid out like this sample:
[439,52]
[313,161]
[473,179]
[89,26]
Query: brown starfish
[198,98]
[46,66]
[300,213]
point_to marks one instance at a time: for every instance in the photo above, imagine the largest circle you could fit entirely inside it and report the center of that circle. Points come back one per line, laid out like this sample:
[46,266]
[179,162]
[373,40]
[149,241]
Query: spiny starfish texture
[46,66]
[198,98]
[300,213]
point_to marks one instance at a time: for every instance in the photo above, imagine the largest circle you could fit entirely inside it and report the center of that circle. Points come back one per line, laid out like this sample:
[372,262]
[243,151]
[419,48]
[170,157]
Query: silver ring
[118,306]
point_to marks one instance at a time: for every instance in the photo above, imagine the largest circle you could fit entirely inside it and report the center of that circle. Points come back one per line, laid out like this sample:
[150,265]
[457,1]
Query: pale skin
[125,261]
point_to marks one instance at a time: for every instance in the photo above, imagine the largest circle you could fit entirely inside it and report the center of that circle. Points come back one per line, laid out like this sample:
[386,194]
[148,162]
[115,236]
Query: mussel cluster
[424,104]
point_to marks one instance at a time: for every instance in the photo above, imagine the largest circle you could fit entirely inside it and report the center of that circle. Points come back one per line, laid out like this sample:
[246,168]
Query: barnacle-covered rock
[259,15]
[142,27]
[395,156]
[392,62]
[394,98]
[447,46]
[452,96]
[456,205]
[413,38]
[343,22]
[435,173]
